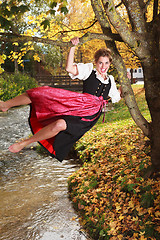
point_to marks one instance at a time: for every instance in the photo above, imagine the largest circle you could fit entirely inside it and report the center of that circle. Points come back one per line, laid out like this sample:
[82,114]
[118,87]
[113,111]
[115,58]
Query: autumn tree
[142,37]
[135,24]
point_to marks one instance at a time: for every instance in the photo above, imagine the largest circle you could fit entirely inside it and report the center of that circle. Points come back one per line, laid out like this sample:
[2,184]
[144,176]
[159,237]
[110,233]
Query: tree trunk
[152,87]
[15,62]
[15,66]
[127,89]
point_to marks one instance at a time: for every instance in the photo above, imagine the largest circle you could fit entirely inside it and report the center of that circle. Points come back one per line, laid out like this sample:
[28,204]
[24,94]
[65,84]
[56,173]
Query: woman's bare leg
[47,132]
[17,101]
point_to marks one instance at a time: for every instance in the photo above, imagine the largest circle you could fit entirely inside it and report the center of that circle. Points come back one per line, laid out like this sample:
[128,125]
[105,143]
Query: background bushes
[12,85]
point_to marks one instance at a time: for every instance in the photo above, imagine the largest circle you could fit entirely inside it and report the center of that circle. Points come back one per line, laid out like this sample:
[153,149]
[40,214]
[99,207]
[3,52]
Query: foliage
[110,190]
[15,84]
[62,19]
[2,60]
[32,20]
[51,57]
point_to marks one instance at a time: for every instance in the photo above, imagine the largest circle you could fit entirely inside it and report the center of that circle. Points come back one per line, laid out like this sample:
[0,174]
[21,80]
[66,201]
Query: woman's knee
[61,124]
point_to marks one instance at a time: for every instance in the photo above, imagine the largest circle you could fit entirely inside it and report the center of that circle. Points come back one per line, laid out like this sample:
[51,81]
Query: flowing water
[34,203]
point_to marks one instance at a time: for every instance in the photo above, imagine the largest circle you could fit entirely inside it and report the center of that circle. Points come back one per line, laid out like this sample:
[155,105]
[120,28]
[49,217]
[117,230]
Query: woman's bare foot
[17,147]
[3,108]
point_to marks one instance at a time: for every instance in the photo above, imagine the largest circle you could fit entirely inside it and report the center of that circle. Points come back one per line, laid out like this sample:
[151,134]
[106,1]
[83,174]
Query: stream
[34,202]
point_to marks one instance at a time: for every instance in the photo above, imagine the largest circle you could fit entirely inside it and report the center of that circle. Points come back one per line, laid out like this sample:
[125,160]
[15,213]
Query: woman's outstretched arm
[70,67]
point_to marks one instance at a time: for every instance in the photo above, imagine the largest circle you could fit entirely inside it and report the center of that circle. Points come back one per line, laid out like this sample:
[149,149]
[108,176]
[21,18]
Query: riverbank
[110,191]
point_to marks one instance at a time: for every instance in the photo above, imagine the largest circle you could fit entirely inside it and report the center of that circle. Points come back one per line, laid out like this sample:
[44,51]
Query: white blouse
[84,71]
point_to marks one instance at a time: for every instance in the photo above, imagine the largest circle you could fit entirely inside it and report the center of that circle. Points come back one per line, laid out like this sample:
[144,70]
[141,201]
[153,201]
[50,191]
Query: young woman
[58,117]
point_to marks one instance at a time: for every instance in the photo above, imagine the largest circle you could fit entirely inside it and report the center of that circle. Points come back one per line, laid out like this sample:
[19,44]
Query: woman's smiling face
[102,65]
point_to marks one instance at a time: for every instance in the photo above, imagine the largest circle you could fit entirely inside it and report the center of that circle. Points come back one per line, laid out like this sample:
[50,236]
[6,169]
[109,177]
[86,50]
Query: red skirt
[80,111]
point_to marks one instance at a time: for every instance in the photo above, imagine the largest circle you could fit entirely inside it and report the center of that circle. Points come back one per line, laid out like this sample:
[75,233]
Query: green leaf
[64,10]
[23,8]
[52,12]
[6,12]
[45,24]
[5,23]
[53,4]
[147,200]
[111,9]
[14,9]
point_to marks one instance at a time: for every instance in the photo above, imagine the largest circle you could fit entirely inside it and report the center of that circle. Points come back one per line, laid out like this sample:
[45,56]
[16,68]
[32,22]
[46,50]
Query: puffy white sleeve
[84,70]
[114,93]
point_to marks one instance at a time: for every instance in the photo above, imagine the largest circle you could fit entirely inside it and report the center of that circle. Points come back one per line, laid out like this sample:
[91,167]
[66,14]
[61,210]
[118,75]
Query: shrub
[12,85]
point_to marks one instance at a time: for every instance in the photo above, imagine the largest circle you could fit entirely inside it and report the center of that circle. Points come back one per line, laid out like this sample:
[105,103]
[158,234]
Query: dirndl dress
[80,111]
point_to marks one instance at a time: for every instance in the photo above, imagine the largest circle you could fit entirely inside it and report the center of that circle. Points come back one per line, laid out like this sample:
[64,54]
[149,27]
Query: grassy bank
[110,192]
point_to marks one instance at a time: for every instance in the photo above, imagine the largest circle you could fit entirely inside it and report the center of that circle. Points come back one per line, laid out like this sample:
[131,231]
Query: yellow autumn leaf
[1,70]
[31,48]
[15,57]
[19,61]
[143,238]
[113,225]
[30,22]
[121,217]
[35,30]
[29,32]
[131,204]
[118,207]
[134,157]
[29,42]
[15,43]
[120,237]
[119,178]
[157,214]
[142,233]
[73,218]
[125,210]
[24,52]
[96,210]
[1,59]
[30,17]
[135,219]
[150,210]
[122,159]
[36,58]
[135,235]
[158,229]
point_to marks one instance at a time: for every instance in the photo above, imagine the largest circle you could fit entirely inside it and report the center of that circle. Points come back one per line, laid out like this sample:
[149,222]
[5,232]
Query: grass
[110,192]
[121,112]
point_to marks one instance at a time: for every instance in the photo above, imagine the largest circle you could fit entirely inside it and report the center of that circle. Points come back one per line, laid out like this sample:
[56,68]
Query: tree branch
[119,24]
[85,38]
[103,20]
[146,5]
[118,5]
[127,89]
[136,16]
[100,13]
[76,30]
[155,9]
